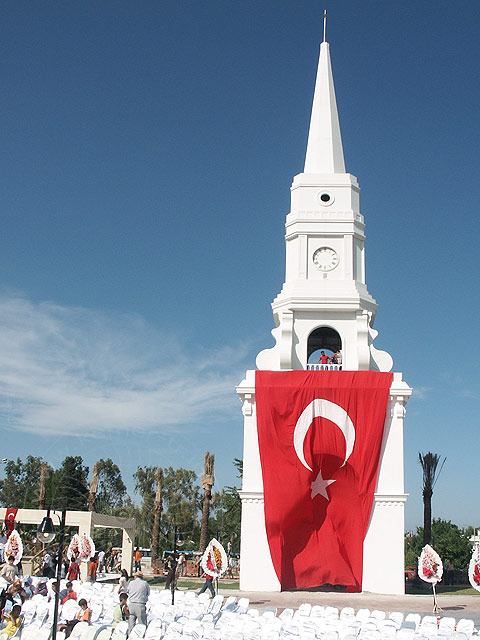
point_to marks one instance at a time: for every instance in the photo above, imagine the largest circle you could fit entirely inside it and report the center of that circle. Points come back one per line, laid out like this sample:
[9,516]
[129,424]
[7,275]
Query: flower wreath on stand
[474,567]
[214,560]
[430,569]
[430,566]
[81,548]
[14,547]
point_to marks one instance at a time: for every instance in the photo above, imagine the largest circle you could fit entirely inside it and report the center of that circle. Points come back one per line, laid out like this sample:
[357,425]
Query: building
[325,305]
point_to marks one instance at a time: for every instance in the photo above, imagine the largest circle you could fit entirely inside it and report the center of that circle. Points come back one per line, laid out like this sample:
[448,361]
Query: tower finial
[324,25]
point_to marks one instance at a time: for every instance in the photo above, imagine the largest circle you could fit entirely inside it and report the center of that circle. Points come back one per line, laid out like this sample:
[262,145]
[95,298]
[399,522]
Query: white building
[325,304]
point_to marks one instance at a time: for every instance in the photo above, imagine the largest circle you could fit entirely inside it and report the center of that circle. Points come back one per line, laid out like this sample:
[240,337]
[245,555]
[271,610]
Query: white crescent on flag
[320,408]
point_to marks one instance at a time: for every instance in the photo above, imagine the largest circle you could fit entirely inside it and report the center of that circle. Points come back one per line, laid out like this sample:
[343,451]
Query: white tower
[325,304]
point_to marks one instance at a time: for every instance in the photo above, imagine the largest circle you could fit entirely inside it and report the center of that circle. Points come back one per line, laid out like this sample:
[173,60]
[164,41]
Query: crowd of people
[132,595]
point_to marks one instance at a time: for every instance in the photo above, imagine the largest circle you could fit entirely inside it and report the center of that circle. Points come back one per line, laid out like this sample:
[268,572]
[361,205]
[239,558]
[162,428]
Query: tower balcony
[315,366]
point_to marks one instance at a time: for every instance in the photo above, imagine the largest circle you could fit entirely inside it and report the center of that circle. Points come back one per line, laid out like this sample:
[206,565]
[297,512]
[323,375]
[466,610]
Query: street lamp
[46,533]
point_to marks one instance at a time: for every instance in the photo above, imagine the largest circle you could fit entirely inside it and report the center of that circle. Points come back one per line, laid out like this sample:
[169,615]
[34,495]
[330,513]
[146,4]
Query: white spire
[324,147]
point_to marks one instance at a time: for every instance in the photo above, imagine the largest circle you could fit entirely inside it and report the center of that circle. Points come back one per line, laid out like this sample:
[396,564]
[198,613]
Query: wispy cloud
[79,371]
[420,393]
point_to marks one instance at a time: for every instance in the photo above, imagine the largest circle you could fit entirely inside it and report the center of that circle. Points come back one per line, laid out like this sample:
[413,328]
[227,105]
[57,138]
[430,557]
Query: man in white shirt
[138,592]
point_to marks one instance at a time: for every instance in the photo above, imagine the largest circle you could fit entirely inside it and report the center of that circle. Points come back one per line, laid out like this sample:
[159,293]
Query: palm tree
[92,494]
[207,484]
[429,462]
[157,512]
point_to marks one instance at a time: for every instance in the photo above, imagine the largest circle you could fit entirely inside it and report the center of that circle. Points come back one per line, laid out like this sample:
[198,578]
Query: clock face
[325,259]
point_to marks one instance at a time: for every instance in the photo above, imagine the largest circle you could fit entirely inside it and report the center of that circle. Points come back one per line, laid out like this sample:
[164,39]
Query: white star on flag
[319,486]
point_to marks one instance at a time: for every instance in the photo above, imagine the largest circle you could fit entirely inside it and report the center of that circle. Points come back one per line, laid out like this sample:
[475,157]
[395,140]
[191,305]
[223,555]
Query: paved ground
[457,606]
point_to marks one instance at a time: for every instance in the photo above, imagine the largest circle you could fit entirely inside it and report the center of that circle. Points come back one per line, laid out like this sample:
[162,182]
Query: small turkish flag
[320,437]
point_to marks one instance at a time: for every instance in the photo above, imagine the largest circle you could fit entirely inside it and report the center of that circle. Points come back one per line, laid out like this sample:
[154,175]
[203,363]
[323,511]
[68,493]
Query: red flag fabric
[320,436]
[10,516]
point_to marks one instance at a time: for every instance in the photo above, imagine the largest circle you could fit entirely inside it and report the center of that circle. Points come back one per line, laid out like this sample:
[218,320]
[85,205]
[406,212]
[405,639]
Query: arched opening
[328,341]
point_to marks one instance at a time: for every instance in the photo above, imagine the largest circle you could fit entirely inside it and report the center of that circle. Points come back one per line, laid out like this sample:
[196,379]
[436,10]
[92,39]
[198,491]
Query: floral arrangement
[214,560]
[474,567]
[14,547]
[430,566]
[83,548]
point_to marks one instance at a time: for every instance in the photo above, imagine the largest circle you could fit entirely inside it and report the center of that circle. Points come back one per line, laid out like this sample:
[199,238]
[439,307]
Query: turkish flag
[320,437]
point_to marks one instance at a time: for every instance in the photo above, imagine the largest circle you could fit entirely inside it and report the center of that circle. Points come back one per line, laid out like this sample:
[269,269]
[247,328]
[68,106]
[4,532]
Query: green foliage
[181,500]
[19,489]
[111,492]
[227,513]
[69,485]
[450,542]
[429,463]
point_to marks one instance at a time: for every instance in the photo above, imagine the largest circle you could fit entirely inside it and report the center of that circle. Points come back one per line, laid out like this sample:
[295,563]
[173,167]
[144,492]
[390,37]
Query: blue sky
[147,154]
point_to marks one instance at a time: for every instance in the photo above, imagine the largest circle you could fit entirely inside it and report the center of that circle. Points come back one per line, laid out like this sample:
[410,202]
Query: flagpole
[324,25]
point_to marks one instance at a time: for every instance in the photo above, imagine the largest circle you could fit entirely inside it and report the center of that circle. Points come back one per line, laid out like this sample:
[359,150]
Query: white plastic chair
[154,629]
[286,615]
[347,613]
[229,603]
[69,610]
[378,615]
[446,627]
[138,631]
[362,614]
[242,605]
[466,626]
[415,618]
[78,630]
[397,617]
[120,631]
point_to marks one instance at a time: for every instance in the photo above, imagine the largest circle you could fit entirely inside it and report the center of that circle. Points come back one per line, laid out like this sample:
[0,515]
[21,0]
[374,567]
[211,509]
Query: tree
[157,514]
[111,490]
[181,502]
[69,485]
[429,462]
[180,497]
[450,542]
[227,510]
[145,486]
[20,488]
[208,481]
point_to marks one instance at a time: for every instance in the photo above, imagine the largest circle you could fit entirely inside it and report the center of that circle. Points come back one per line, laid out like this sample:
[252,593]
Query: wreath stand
[436,608]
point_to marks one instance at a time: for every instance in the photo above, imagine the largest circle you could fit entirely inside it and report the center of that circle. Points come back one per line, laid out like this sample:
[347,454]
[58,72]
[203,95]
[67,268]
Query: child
[14,621]
[121,611]
[83,615]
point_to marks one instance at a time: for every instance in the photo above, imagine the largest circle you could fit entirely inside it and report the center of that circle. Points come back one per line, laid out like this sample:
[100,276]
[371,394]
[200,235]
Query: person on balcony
[323,358]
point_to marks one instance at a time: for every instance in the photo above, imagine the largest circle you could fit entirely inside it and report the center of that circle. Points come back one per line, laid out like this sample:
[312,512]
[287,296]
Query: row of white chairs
[199,617]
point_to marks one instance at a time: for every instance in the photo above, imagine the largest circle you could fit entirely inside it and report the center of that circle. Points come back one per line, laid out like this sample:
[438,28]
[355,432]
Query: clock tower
[324,305]
[324,302]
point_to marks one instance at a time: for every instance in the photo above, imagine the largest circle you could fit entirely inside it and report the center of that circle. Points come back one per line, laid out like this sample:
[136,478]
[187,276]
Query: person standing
[181,564]
[138,592]
[47,567]
[323,358]
[123,581]
[92,570]
[101,561]
[73,572]
[170,565]
[208,585]
[9,571]
[138,560]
